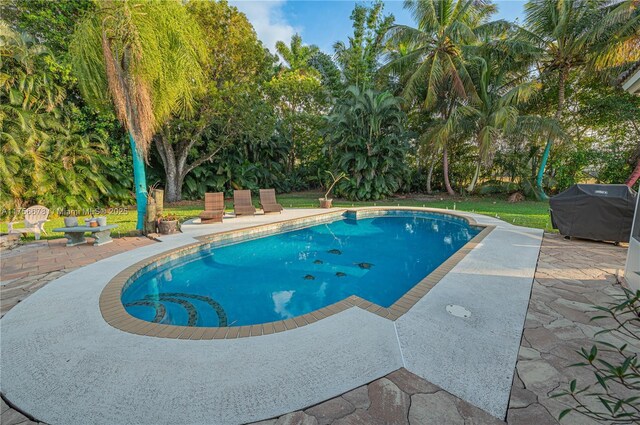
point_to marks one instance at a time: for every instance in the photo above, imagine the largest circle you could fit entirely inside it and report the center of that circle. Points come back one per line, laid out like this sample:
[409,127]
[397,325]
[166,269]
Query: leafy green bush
[616,367]
[367,141]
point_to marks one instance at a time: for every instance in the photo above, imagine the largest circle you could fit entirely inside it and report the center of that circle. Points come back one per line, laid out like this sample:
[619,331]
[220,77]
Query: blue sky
[324,22]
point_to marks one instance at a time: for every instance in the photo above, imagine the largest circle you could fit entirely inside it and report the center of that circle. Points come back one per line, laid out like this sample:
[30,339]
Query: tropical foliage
[50,153]
[367,141]
[572,36]
[225,110]
[149,58]
[456,102]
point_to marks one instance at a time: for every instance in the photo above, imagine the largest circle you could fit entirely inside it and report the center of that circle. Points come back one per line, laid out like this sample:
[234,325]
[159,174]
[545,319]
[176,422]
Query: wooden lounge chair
[242,204]
[34,219]
[213,208]
[268,201]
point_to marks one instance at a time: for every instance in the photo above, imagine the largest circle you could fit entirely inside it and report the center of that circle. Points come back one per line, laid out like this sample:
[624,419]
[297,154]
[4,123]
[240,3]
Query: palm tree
[573,35]
[436,68]
[149,58]
[618,36]
[296,55]
[621,36]
[499,71]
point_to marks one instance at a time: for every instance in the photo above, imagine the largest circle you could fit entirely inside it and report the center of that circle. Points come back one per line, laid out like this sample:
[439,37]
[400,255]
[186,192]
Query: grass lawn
[525,213]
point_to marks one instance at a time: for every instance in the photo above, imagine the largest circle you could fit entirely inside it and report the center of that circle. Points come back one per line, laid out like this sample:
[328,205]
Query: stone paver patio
[571,276]
[29,267]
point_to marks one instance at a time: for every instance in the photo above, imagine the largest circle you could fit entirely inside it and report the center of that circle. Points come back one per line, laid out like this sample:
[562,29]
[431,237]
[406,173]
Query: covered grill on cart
[602,212]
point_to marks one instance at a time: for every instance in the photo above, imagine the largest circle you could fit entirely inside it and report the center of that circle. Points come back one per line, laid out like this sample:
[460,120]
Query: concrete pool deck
[63,364]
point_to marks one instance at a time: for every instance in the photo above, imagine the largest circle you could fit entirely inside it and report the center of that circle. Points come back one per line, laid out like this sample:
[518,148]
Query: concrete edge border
[114,313]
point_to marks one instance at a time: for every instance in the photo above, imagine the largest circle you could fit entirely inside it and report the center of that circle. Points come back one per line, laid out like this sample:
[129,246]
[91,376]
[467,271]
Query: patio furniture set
[242,204]
[36,216]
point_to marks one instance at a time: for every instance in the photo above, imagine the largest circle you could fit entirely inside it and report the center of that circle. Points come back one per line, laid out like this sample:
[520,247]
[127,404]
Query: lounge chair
[242,204]
[213,208]
[34,219]
[268,201]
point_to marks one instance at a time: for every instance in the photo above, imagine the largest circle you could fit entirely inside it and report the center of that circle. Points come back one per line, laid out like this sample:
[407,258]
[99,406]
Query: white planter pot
[71,221]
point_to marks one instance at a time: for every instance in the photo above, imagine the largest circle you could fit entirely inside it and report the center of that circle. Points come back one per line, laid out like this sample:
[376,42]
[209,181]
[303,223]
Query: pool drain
[458,311]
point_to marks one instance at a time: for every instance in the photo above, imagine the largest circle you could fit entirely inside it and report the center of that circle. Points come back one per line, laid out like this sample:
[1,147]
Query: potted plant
[168,224]
[326,202]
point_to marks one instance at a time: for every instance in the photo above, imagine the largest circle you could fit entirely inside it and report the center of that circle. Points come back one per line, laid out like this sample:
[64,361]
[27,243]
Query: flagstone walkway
[29,267]
[571,276]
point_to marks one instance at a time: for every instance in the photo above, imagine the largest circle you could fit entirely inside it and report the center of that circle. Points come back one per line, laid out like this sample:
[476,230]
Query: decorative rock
[331,410]
[359,397]
[515,197]
[9,241]
[388,403]
[437,408]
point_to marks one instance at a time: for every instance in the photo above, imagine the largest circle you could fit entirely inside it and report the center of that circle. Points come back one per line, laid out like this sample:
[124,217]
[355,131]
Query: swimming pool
[283,276]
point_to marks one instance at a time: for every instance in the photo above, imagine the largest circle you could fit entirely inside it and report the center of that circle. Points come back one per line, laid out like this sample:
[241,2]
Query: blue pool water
[289,274]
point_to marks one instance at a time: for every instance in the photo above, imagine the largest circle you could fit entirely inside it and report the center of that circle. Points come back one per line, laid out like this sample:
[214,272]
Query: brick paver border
[115,314]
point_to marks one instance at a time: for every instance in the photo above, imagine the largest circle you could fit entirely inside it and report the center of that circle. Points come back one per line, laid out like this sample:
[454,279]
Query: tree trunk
[474,180]
[445,169]
[140,181]
[174,159]
[635,175]
[173,186]
[562,76]
[430,174]
[172,167]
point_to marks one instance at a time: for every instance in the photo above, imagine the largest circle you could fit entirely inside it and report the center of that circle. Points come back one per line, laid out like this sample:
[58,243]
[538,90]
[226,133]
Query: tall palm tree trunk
[140,181]
[562,77]
[445,170]
[474,180]
[430,174]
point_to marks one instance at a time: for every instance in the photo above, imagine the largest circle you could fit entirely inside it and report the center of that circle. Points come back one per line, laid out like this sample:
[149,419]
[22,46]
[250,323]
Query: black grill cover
[603,212]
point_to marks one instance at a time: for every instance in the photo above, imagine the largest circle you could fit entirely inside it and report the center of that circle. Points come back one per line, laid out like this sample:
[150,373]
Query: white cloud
[268,20]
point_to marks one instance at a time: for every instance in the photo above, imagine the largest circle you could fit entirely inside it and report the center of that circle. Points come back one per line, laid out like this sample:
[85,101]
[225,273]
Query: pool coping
[114,313]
